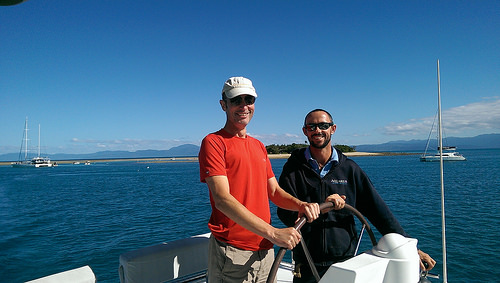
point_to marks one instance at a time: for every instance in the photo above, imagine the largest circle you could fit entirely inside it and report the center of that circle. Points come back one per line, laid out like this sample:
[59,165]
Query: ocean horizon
[484,141]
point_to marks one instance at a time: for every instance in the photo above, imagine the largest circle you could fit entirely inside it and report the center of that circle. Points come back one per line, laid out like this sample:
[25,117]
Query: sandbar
[195,159]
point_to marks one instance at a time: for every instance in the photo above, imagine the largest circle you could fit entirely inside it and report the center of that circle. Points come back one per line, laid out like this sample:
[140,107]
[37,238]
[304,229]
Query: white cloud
[471,119]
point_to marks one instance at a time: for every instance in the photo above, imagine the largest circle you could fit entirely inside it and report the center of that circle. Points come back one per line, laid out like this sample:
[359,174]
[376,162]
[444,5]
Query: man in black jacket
[320,173]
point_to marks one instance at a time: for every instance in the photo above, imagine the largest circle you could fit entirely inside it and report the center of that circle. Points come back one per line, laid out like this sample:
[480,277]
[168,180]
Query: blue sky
[133,75]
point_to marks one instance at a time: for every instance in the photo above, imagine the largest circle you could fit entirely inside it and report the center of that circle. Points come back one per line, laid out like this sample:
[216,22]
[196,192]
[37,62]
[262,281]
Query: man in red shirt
[241,182]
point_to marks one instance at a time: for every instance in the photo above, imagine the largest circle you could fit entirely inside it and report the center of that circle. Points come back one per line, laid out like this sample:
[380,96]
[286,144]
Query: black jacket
[333,236]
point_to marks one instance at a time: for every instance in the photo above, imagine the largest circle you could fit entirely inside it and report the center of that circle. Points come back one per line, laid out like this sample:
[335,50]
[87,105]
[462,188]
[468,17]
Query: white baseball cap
[235,86]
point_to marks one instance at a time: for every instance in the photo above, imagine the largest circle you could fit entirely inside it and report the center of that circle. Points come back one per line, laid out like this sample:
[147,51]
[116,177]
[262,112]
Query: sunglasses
[249,100]
[322,126]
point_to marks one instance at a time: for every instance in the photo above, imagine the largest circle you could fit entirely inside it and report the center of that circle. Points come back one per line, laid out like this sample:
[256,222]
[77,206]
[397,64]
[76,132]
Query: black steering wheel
[300,223]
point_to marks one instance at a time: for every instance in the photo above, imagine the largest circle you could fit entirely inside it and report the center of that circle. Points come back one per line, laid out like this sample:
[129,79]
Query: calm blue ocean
[55,219]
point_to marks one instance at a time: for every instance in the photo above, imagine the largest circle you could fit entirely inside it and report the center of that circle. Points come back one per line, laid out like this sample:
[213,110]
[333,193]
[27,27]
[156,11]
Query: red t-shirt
[245,163]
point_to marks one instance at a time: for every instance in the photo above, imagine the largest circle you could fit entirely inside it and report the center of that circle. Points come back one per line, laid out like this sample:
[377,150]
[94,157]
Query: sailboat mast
[38,140]
[440,130]
[26,139]
[440,140]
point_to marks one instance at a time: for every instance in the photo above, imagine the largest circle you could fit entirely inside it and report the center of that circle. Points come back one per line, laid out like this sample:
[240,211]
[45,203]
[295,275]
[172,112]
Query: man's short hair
[317,110]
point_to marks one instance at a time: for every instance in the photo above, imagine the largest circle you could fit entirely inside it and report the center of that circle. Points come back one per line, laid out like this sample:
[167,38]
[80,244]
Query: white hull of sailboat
[30,164]
[446,157]
[17,165]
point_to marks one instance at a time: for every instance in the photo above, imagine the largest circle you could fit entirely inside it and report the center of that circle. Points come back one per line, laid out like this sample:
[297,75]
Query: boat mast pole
[26,139]
[443,222]
[38,140]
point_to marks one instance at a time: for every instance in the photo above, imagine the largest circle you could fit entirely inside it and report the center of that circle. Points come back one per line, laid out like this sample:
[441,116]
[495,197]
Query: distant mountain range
[477,142]
[185,150]
[189,150]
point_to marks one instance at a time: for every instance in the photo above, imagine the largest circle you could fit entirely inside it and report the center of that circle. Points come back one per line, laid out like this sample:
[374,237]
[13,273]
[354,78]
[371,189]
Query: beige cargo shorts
[229,264]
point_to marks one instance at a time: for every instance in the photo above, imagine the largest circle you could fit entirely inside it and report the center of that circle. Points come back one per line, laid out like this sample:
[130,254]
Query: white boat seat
[78,275]
[166,261]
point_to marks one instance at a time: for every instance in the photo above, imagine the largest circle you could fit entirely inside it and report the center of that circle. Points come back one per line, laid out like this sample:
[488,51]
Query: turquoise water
[55,219]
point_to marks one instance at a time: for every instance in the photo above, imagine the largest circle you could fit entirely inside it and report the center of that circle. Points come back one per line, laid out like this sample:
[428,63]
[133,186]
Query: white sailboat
[445,153]
[35,162]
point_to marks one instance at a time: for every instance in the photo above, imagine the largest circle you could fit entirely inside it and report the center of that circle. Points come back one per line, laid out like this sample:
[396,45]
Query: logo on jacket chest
[338,182]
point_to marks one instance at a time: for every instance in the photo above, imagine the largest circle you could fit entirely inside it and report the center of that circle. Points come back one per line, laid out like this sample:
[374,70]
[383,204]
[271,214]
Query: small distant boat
[35,162]
[446,153]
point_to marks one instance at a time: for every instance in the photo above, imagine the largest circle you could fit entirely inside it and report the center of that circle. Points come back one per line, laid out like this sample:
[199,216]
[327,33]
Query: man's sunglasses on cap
[322,126]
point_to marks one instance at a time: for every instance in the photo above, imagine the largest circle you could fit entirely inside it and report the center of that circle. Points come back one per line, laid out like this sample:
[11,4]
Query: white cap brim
[240,91]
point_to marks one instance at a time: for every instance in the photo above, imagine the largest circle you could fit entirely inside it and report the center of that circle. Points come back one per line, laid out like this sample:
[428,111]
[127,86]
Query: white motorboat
[35,162]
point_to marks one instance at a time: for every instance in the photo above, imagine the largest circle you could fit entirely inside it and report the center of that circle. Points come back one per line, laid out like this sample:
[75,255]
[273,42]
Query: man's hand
[310,210]
[337,200]
[427,259]
[285,237]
